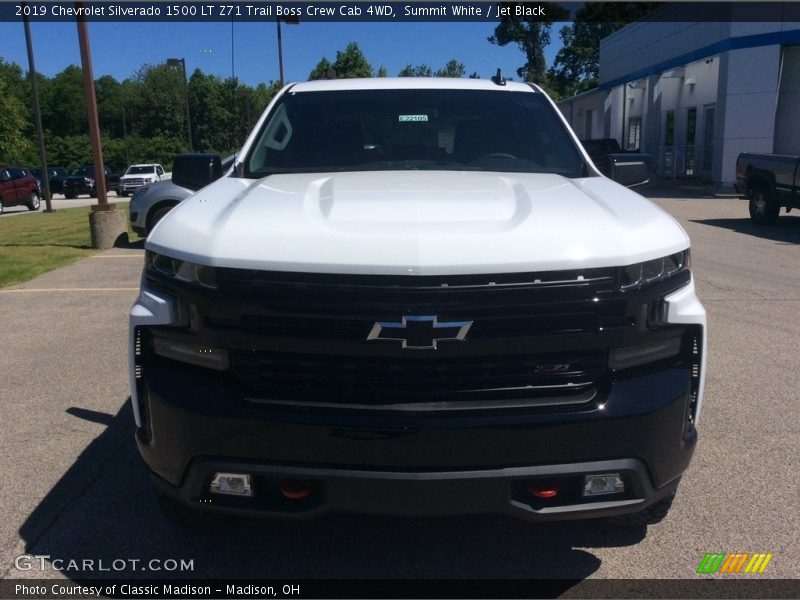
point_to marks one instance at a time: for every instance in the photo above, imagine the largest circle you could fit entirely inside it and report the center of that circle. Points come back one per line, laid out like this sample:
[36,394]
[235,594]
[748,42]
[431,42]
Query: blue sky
[119,49]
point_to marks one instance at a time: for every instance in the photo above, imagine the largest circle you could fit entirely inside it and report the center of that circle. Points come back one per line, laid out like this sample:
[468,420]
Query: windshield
[140,170]
[362,130]
[84,171]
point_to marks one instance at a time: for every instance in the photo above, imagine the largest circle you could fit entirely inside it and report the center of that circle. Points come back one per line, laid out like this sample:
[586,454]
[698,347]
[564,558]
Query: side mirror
[195,171]
[632,171]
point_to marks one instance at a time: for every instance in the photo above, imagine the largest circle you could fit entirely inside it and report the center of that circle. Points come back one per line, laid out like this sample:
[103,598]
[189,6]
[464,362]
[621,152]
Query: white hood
[417,222]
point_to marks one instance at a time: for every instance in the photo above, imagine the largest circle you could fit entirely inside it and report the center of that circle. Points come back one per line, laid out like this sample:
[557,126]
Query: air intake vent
[696,359]
[141,390]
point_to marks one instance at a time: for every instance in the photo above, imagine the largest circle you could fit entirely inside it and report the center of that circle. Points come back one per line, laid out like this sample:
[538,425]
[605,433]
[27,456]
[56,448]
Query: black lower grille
[554,380]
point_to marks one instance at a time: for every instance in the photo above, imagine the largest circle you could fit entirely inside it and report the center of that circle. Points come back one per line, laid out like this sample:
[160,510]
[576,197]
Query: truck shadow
[103,508]
[786,229]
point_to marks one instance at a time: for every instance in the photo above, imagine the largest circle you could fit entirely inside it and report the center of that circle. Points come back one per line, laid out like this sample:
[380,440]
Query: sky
[120,49]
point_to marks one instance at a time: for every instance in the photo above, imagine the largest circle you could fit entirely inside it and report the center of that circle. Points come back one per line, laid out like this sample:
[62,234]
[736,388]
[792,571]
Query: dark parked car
[82,181]
[18,187]
[55,177]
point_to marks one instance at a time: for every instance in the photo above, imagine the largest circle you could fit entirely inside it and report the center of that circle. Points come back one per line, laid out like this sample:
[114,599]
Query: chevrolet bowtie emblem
[420,333]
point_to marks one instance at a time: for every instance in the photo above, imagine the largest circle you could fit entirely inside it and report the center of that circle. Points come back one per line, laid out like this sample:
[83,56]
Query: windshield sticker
[412,118]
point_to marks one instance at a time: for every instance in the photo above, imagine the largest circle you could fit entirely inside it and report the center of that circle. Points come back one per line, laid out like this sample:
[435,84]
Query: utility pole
[289,21]
[280,52]
[106,223]
[174,62]
[91,113]
[37,113]
[125,136]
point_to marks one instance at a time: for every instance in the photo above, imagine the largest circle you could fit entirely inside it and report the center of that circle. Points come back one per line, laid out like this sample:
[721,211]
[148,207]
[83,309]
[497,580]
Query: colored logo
[736,562]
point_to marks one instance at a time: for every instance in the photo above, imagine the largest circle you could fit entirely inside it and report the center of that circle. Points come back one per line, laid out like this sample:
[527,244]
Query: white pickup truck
[419,297]
[138,175]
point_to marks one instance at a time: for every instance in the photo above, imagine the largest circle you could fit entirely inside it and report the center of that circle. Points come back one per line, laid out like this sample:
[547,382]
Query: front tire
[2,207]
[764,209]
[70,196]
[34,202]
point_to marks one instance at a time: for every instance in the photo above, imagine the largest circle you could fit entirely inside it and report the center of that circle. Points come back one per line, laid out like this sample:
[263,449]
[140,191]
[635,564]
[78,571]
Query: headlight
[182,270]
[642,274]
[90,181]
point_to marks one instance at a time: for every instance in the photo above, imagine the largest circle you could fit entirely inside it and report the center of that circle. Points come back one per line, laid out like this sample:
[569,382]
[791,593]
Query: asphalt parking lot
[73,486]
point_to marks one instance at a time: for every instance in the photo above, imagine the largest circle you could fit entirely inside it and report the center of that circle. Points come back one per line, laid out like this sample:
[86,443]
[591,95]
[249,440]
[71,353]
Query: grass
[34,244]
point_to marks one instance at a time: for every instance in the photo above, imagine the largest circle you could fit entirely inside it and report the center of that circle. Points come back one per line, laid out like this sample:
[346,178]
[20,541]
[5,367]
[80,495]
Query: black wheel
[655,513]
[159,214]
[34,202]
[69,196]
[764,209]
[2,208]
[122,194]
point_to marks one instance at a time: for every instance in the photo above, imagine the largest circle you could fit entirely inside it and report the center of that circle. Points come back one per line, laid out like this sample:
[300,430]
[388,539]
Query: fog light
[598,485]
[232,484]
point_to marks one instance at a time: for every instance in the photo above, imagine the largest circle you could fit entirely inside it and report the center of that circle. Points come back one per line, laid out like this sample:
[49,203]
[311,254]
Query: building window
[634,133]
[691,126]
[691,137]
[669,129]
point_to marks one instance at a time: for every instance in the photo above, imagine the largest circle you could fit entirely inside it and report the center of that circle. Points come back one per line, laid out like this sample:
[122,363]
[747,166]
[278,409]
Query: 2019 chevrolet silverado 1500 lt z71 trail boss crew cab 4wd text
[419,297]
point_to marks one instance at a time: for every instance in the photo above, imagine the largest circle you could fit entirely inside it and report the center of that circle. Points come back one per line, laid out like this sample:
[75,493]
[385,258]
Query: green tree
[321,70]
[15,144]
[350,63]
[576,67]
[159,107]
[110,102]
[382,72]
[532,35]
[210,105]
[453,68]
[63,105]
[422,70]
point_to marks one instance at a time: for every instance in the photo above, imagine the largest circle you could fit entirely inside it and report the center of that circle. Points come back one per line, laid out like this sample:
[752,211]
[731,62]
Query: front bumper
[193,422]
[437,493]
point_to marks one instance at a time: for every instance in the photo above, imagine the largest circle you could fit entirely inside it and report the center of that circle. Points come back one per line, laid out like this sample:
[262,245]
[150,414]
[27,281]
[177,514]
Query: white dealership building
[696,94]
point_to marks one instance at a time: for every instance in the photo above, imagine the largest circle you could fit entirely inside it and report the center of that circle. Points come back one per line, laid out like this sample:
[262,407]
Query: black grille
[335,307]
[557,380]
[536,339]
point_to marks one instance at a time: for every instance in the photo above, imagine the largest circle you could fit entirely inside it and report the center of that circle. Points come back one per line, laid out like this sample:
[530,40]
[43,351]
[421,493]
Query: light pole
[292,20]
[174,62]
[37,115]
